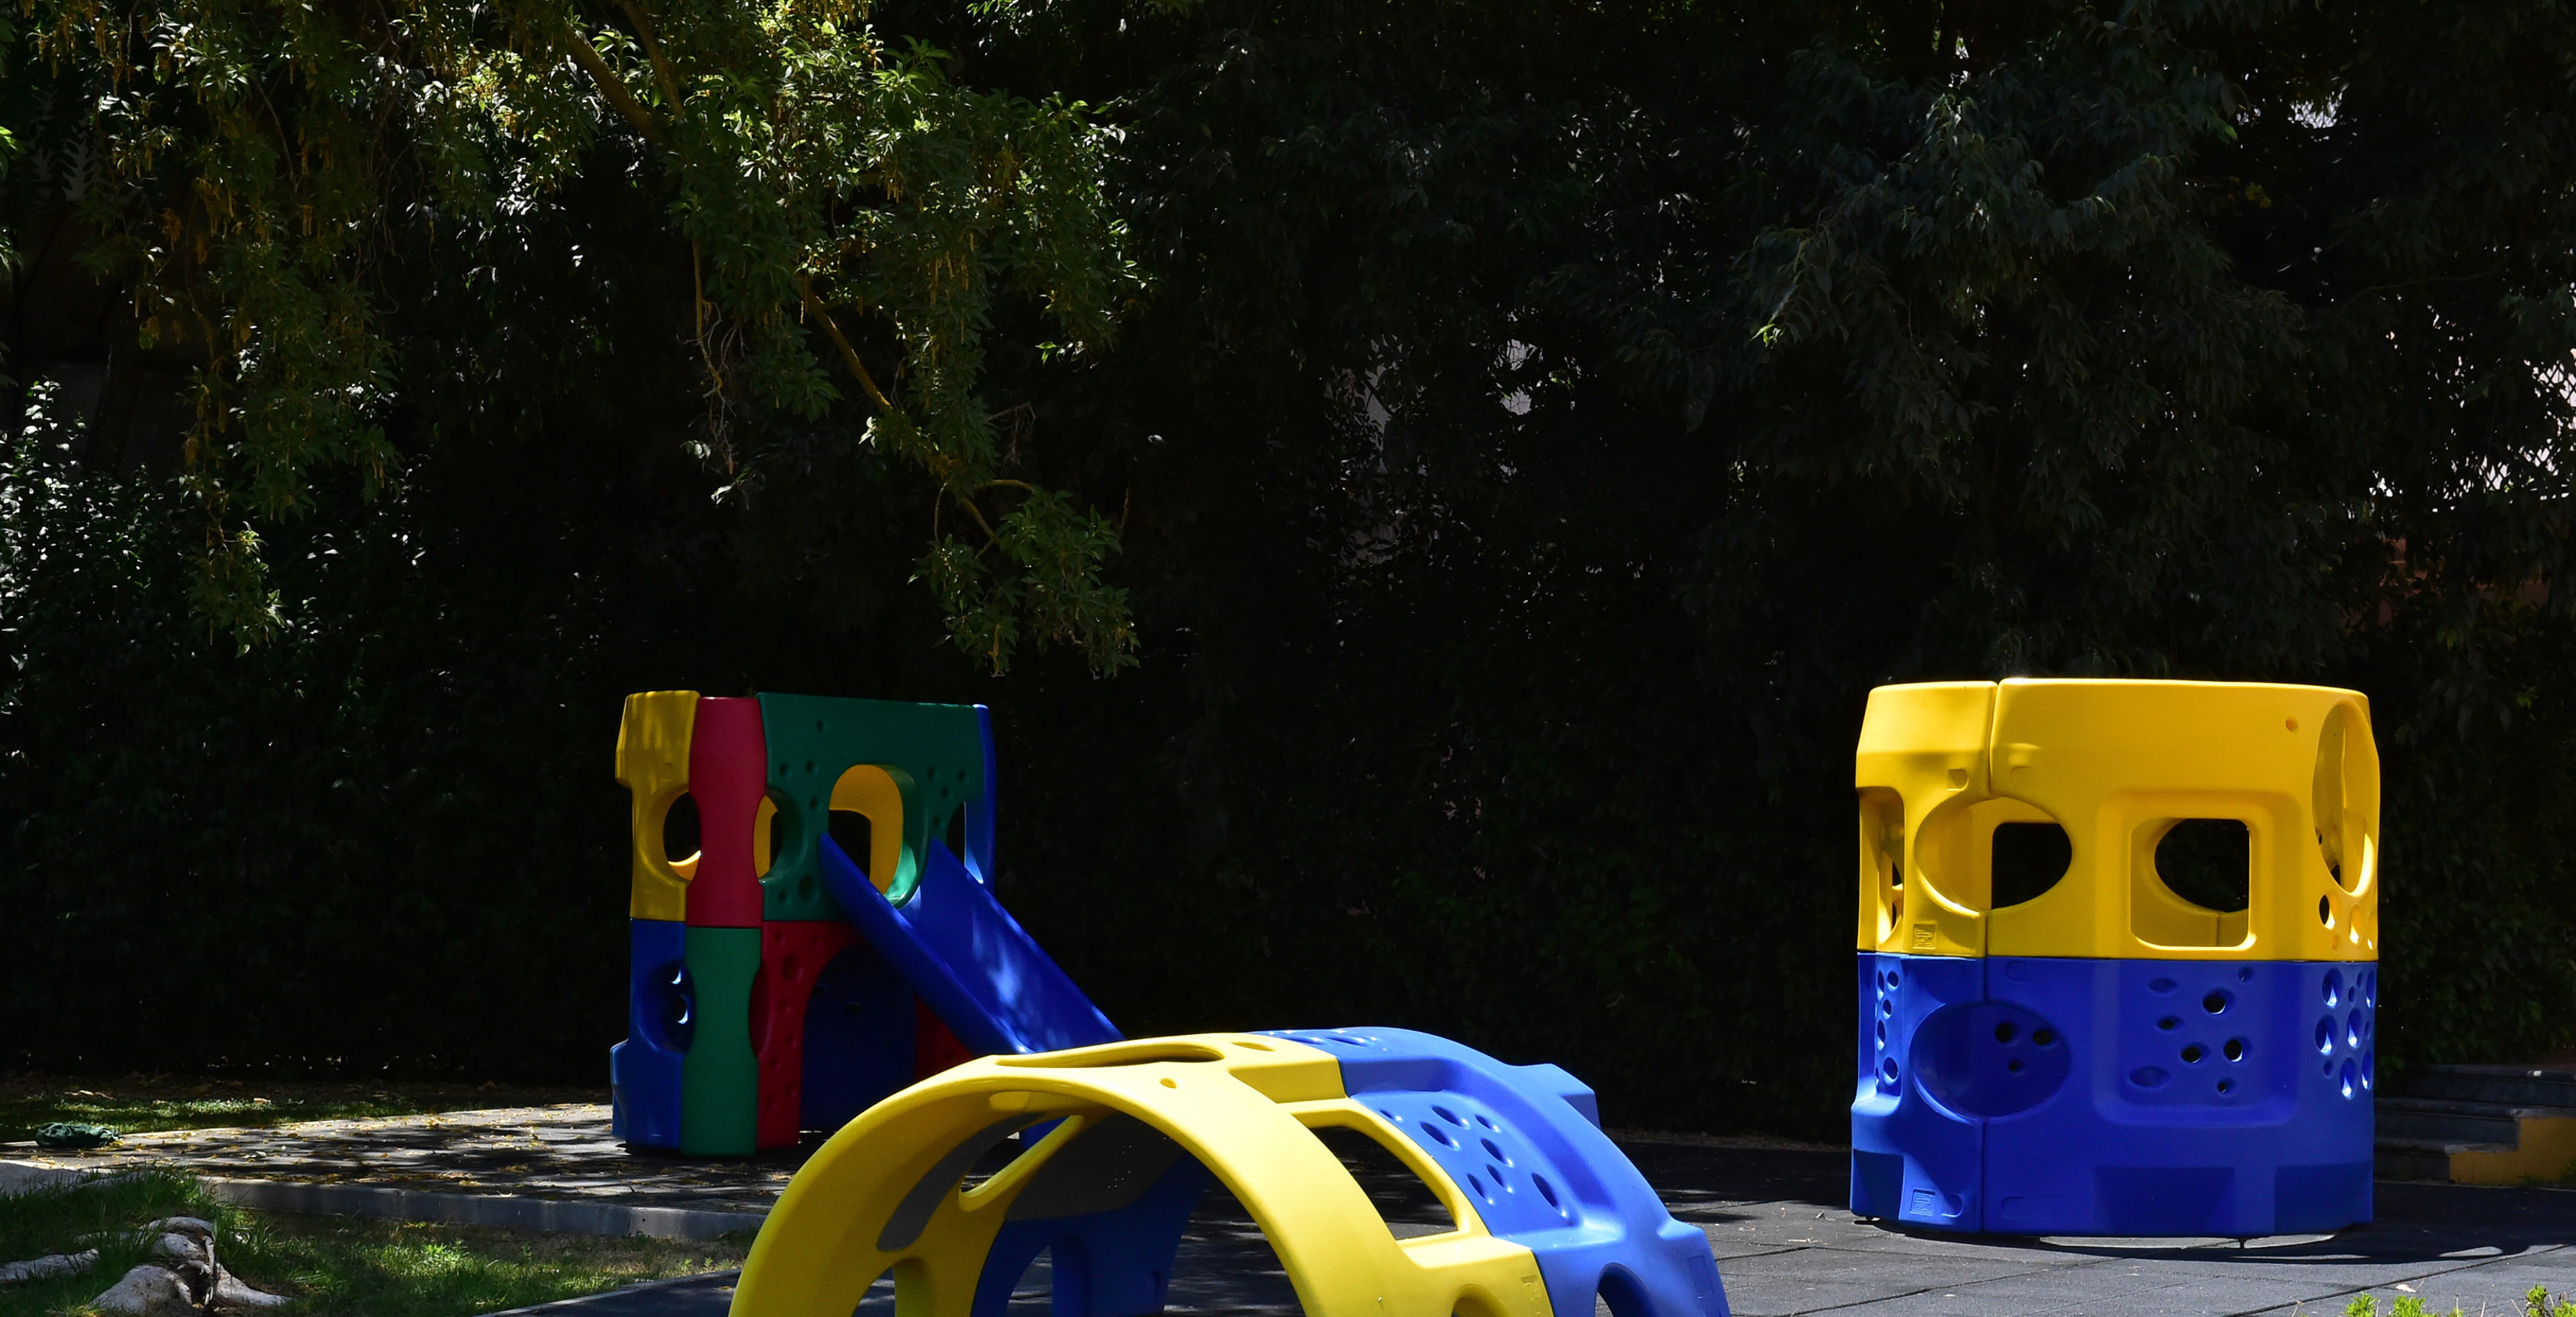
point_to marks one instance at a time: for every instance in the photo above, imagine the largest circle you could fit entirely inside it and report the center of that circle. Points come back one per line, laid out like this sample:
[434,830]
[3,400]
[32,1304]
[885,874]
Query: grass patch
[2537,1303]
[334,1266]
[139,1103]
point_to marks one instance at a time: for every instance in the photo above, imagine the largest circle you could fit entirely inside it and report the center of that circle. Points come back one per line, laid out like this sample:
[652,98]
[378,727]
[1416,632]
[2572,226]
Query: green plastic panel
[720,1078]
[934,753]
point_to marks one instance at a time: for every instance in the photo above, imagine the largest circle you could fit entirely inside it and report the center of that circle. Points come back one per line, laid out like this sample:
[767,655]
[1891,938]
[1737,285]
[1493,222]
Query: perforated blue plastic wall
[2029,1095]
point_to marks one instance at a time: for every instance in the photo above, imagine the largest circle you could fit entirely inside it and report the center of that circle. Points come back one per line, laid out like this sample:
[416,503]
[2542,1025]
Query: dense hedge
[1548,427]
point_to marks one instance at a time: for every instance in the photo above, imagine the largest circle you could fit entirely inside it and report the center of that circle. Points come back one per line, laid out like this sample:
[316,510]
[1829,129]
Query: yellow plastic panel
[2120,763]
[1240,1104]
[871,792]
[653,765]
[1920,768]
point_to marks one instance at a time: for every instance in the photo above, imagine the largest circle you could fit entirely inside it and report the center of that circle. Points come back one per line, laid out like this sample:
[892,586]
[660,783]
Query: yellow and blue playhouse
[780,984]
[2103,1055]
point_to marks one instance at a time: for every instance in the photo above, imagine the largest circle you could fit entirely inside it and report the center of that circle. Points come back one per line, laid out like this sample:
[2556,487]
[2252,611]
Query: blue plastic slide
[964,954]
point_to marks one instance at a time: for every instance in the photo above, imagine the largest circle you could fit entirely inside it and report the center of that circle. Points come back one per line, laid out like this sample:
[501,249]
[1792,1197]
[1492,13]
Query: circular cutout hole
[2325,1036]
[2325,911]
[1500,1183]
[1546,1190]
[1495,1151]
[2191,1055]
[680,829]
[1886,1071]
[2013,1066]
[2290,723]
[2148,1077]
[2043,1038]
[1446,1114]
[2006,1032]
[2235,1049]
[2161,986]
[1441,1136]
[2215,1003]
[2350,1080]
[2352,1032]
[2245,974]
[1171,1083]
[1882,1033]
[1248,1043]
[1886,1008]
[2369,1068]
[2333,988]
[1486,1121]
[2169,1024]
[2226,1086]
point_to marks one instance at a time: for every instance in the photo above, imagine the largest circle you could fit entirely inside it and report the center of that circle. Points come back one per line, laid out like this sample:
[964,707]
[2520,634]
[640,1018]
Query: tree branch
[653,52]
[849,355]
[611,86]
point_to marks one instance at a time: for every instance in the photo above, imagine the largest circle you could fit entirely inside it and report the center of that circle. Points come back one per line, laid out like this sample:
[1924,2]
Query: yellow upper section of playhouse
[885,1195]
[653,765]
[2117,765]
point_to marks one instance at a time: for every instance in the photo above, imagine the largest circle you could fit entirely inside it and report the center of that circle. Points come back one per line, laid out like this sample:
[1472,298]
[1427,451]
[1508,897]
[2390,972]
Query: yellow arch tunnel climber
[1116,1143]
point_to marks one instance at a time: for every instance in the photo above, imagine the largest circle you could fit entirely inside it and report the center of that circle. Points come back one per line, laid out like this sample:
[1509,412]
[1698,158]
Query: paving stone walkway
[1774,1216]
[557,1152]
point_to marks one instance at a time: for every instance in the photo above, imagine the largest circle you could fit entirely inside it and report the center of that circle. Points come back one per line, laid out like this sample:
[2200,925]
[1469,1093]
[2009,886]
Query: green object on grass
[71,1134]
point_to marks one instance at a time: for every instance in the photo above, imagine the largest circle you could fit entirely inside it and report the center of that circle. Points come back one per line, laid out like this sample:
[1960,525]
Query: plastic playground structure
[2096,1053]
[780,984]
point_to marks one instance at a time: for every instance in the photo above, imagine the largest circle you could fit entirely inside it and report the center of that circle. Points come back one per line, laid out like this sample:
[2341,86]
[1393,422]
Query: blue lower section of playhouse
[2028,1095]
[644,1071]
[1526,1145]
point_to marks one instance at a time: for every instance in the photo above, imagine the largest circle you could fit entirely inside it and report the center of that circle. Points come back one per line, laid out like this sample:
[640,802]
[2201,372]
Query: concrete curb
[510,1211]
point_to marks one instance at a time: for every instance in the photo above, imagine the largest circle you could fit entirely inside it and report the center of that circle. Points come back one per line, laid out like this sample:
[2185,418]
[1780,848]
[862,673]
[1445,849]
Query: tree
[254,184]
[1549,421]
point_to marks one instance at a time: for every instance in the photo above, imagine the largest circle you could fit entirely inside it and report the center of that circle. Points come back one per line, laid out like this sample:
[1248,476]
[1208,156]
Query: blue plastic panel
[1524,1142]
[2119,1097]
[1914,1159]
[644,1071]
[980,812]
[858,1039]
[957,947]
[1111,1263]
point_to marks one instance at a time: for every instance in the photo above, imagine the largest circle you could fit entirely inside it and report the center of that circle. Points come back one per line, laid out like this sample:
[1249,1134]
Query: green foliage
[2535,1304]
[266,168]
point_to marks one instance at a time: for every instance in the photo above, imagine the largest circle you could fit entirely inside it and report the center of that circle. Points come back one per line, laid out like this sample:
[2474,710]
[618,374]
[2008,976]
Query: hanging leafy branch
[850,215]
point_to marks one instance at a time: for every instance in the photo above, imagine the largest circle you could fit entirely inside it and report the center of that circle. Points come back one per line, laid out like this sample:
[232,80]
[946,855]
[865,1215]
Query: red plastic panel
[934,1047]
[792,956]
[728,775]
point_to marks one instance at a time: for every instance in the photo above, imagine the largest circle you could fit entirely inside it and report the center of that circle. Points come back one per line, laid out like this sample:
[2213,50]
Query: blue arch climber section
[1525,1143]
